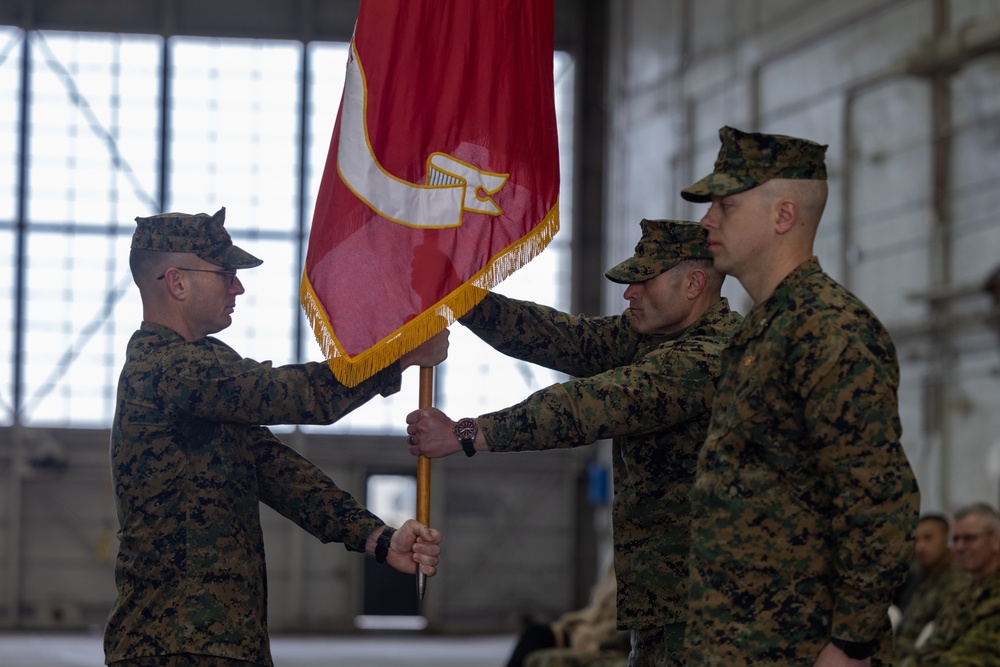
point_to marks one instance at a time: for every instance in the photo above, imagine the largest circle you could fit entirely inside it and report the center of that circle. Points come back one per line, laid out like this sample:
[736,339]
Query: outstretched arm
[575,345]
[669,386]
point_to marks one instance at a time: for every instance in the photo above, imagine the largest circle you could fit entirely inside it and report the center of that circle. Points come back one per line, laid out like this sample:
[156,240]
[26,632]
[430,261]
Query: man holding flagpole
[644,378]
[191,460]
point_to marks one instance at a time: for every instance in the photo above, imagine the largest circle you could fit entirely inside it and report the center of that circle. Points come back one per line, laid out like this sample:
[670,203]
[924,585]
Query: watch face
[465,429]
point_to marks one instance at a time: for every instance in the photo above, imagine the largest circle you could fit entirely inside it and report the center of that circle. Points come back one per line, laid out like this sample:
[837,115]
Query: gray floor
[378,650]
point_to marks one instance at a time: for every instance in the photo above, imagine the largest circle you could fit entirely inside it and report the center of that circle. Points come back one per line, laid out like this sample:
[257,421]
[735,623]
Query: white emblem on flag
[452,186]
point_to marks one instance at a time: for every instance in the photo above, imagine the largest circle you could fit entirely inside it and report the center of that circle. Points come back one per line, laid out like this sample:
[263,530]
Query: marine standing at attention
[804,504]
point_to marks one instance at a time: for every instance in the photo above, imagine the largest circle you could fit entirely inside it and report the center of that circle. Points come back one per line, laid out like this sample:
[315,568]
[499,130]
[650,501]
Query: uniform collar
[761,315]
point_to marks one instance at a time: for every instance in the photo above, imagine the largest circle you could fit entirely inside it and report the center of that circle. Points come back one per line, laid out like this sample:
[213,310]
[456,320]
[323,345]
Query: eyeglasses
[223,272]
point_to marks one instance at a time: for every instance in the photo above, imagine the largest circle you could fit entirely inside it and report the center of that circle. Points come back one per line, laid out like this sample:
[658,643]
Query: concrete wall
[907,95]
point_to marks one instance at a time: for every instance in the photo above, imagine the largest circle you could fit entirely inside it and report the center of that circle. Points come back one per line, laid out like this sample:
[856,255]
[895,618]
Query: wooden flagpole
[426,400]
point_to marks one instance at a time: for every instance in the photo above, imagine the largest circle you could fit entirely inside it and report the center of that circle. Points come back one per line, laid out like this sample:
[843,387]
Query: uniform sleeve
[213,382]
[297,489]
[666,387]
[853,424]
[577,346]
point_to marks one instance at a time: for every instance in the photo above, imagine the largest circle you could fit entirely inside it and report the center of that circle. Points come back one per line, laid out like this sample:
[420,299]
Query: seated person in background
[942,579]
[577,638]
[967,629]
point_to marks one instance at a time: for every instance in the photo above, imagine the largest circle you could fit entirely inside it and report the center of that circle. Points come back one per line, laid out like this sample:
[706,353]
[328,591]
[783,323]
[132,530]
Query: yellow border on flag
[351,371]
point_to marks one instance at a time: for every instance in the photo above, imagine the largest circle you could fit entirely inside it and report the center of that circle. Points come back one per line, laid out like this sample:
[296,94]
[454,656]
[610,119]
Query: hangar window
[108,127]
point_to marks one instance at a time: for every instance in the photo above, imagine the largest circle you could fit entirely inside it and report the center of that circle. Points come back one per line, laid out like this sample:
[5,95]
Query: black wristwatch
[382,546]
[466,430]
[855,650]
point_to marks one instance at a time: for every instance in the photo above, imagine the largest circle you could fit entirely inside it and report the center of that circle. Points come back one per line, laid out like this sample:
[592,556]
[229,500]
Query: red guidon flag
[442,177]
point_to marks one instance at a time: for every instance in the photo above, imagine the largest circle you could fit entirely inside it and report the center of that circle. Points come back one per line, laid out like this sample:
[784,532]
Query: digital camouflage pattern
[663,245]
[651,394]
[804,504]
[200,234]
[190,463]
[748,159]
[967,631]
[656,647]
[925,605]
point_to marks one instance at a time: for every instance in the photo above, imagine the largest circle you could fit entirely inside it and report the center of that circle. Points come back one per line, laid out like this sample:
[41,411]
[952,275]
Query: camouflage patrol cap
[198,233]
[662,245]
[747,160]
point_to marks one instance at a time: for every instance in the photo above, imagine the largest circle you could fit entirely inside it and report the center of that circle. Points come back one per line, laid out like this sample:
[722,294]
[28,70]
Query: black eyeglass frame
[222,272]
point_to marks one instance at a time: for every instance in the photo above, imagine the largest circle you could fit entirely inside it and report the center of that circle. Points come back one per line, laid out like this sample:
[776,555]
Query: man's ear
[697,279]
[786,214]
[175,283]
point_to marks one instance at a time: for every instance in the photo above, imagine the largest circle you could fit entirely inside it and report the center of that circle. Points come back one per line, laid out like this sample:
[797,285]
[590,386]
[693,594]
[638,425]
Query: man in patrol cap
[804,503]
[644,378]
[191,460]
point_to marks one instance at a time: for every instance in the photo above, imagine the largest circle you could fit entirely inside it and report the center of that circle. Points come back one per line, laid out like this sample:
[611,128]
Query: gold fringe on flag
[351,371]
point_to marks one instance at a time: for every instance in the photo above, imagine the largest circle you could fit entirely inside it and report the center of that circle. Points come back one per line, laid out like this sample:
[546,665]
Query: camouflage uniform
[651,394]
[804,504]
[967,630]
[925,605]
[190,464]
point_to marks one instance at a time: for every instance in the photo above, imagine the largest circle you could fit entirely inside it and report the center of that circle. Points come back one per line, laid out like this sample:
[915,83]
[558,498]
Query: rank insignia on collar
[748,359]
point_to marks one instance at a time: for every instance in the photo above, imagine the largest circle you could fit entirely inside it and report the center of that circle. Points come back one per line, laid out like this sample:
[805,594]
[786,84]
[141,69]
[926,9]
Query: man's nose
[708,221]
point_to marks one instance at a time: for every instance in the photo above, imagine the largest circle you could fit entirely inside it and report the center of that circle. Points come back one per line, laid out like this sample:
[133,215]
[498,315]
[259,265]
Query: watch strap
[382,546]
[469,446]
[855,650]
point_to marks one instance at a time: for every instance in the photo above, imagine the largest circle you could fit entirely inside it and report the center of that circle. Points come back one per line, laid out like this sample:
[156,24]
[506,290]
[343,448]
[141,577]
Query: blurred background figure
[586,637]
[937,578]
[967,628]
